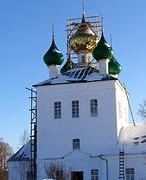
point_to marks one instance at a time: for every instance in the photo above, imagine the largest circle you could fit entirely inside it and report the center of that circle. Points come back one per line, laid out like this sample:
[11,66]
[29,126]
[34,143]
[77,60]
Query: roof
[23,154]
[133,138]
[53,56]
[68,65]
[103,50]
[77,75]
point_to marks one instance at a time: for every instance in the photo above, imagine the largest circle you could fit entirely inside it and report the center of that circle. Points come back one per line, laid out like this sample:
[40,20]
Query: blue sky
[25,35]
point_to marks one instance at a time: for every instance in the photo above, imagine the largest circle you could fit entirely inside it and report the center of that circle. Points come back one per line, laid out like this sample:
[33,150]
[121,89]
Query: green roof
[53,56]
[114,66]
[102,50]
[67,66]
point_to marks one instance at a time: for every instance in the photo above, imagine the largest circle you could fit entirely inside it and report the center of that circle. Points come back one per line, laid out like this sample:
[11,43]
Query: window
[130,174]
[83,59]
[93,107]
[94,174]
[76,144]
[77,175]
[75,109]
[57,110]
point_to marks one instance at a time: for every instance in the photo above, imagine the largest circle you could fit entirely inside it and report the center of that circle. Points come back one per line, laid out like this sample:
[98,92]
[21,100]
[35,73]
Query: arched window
[76,144]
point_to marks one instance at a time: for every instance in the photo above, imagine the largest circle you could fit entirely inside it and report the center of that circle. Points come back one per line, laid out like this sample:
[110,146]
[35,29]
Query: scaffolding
[95,25]
[33,133]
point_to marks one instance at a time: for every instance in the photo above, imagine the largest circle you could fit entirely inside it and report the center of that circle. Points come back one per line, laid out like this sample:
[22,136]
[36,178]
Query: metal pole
[106,161]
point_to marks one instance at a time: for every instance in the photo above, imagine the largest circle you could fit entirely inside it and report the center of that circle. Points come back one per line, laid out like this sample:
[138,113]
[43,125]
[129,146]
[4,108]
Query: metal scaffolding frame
[95,24]
[33,133]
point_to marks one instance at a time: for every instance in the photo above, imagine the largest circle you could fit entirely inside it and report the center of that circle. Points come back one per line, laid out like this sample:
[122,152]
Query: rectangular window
[94,174]
[83,59]
[75,109]
[76,144]
[130,174]
[57,110]
[93,107]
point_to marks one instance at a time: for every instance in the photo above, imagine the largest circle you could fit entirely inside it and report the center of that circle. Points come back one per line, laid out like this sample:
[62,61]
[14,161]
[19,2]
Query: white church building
[82,115]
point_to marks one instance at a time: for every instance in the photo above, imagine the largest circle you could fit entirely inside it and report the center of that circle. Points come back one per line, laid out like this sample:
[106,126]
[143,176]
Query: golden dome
[84,39]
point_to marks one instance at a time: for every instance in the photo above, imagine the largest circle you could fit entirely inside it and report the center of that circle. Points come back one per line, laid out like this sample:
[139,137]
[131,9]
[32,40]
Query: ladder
[121,165]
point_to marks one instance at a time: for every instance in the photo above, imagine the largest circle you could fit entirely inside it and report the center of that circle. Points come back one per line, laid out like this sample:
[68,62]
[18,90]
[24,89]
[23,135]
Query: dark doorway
[77,175]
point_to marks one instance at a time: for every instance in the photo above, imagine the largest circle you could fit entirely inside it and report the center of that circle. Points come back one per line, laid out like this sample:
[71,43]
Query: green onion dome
[53,56]
[113,66]
[67,66]
[102,50]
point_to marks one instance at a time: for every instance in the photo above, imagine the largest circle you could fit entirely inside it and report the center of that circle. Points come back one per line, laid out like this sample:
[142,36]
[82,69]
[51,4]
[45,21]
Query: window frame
[76,143]
[130,174]
[75,109]
[57,110]
[94,174]
[83,57]
[93,107]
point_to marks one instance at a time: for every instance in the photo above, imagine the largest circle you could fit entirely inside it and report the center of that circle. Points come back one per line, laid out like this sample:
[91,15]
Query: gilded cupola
[84,39]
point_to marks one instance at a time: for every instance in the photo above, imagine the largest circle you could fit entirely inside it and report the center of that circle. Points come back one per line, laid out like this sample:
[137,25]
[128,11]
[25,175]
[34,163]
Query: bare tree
[142,110]
[5,153]
[57,171]
[24,138]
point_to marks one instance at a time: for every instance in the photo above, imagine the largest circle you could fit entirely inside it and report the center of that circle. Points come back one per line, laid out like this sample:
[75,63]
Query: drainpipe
[106,161]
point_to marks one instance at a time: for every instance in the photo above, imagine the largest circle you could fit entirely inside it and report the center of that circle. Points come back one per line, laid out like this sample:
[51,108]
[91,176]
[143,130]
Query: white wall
[138,162]
[77,161]
[98,135]
[18,170]
[81,162]
[55,135]
[122,107]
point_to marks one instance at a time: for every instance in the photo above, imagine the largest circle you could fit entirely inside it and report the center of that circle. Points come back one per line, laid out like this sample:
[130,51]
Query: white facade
[19,170]
[98,135]
[19,164]
[86,128]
